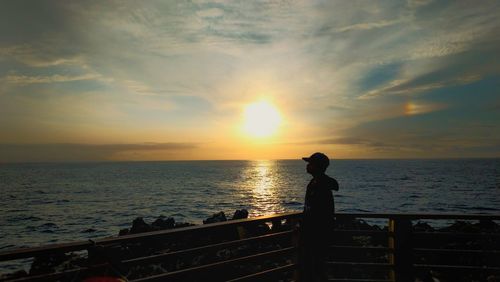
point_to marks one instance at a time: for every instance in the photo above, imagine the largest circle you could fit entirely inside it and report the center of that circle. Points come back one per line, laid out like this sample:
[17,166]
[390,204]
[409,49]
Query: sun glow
[262,119]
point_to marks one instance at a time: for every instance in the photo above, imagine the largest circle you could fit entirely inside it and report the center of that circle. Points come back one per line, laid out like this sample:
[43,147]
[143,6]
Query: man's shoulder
[328,182]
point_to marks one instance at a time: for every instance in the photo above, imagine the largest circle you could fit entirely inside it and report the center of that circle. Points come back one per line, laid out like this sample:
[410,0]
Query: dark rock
[123,231]
[461,226]
[258,229]
[422,227]
[353,224]
[487,225]
[163,222]
[240,214]
[47,263]
[90,230]
[13,275]
[140,226]
[277,225]
[183,224]
[218,217]
[362,225]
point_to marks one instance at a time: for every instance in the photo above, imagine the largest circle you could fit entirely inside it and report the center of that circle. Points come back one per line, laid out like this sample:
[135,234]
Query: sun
[262,119]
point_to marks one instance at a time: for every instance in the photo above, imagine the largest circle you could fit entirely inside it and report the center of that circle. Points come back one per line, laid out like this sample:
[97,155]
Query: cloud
[368,26]
[352,141]
[417,3]
[410,87]
[173,67]
[87,152]
[210,13]
[31,56]
[349,141]
[341,141]
[139,87]
[56,78]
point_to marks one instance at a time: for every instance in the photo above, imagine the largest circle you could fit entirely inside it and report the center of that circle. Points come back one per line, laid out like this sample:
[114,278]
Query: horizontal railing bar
[369,264]
[458,234]
[265,273]
[82,245]
[163,276]
[456,251]
[459,267]
[53,248]
[154,258]
[415,216]
[386,249]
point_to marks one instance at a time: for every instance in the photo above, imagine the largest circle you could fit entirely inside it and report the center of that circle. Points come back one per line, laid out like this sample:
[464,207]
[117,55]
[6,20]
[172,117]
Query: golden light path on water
[263,182]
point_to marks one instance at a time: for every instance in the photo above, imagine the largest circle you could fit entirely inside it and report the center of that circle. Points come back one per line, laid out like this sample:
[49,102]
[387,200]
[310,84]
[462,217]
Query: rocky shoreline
[110,254]
[61,262]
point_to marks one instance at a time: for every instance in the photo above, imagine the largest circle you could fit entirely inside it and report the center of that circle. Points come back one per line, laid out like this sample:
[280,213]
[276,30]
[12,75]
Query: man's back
[319,205]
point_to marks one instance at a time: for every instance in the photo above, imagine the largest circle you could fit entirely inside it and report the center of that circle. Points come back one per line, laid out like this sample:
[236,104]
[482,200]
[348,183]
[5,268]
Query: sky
[170,80]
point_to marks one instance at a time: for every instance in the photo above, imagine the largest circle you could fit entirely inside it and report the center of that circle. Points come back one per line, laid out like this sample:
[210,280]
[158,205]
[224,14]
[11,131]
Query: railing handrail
[414,216]
[82,245]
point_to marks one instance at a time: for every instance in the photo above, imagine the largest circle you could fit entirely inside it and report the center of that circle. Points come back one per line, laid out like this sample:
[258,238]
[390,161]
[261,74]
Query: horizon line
[222,160]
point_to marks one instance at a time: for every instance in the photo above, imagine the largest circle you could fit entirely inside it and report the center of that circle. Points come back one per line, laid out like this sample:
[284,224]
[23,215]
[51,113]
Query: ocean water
[58,202]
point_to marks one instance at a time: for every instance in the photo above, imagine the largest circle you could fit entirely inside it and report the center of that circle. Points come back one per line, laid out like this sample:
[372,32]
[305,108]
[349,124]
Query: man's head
[317,163]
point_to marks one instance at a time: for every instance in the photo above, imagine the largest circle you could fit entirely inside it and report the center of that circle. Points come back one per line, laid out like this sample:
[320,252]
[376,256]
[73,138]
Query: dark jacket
[319,207]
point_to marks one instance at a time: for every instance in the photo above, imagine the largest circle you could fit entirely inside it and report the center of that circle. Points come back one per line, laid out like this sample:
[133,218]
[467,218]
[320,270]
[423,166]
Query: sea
[44,203]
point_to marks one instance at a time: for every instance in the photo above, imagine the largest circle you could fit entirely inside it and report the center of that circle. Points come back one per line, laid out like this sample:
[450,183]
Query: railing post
[401,257]
[295,242]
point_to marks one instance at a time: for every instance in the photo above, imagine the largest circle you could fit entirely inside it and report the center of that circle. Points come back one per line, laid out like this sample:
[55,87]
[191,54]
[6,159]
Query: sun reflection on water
[262,181]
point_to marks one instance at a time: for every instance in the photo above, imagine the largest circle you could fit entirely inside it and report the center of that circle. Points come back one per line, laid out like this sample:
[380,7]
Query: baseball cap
[319,159]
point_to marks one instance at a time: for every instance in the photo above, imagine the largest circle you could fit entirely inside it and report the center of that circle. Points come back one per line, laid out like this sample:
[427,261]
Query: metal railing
[265,247]
[258,242]
[400,253]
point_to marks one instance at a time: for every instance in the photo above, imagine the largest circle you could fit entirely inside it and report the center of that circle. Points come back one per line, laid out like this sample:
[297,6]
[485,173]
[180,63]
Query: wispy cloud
[347,141]
[139,87]
[56,78]
[417,3]
[31,56]
[368,26]
[408,87]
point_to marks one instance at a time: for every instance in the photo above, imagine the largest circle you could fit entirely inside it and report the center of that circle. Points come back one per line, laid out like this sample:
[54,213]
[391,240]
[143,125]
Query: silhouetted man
[318,220]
